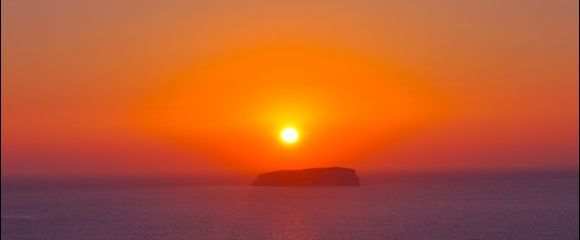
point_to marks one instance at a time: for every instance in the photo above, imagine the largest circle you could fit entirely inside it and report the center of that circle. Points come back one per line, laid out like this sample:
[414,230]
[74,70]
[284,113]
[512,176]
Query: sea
[519,207]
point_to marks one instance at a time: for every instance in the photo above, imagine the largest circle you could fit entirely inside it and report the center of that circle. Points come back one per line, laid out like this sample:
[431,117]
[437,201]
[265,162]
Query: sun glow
[289,135]
[229,108]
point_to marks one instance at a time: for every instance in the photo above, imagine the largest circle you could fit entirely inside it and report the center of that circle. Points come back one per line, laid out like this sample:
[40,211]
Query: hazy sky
[177,87]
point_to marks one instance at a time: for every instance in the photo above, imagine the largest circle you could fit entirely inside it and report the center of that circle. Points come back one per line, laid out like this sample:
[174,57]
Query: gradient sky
[179,87]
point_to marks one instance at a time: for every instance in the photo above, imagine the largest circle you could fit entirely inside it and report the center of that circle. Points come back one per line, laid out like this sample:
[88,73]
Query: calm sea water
[477,209]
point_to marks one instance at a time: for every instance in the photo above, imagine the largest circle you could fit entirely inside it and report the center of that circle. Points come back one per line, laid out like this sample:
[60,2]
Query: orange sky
[180,87]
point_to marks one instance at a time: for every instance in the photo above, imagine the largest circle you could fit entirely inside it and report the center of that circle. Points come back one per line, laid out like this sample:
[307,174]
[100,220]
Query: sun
[289,135]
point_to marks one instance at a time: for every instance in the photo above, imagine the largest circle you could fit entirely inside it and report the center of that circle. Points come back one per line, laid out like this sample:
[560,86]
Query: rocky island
[334,176]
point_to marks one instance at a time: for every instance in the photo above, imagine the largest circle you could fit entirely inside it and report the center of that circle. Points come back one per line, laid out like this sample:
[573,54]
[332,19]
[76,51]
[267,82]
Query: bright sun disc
[289,135]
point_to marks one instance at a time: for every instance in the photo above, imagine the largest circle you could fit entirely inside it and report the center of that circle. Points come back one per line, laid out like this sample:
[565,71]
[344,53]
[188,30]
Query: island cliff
[334,176]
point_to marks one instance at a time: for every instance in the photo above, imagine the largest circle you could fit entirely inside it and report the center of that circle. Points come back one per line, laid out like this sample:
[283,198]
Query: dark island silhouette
[333,176]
